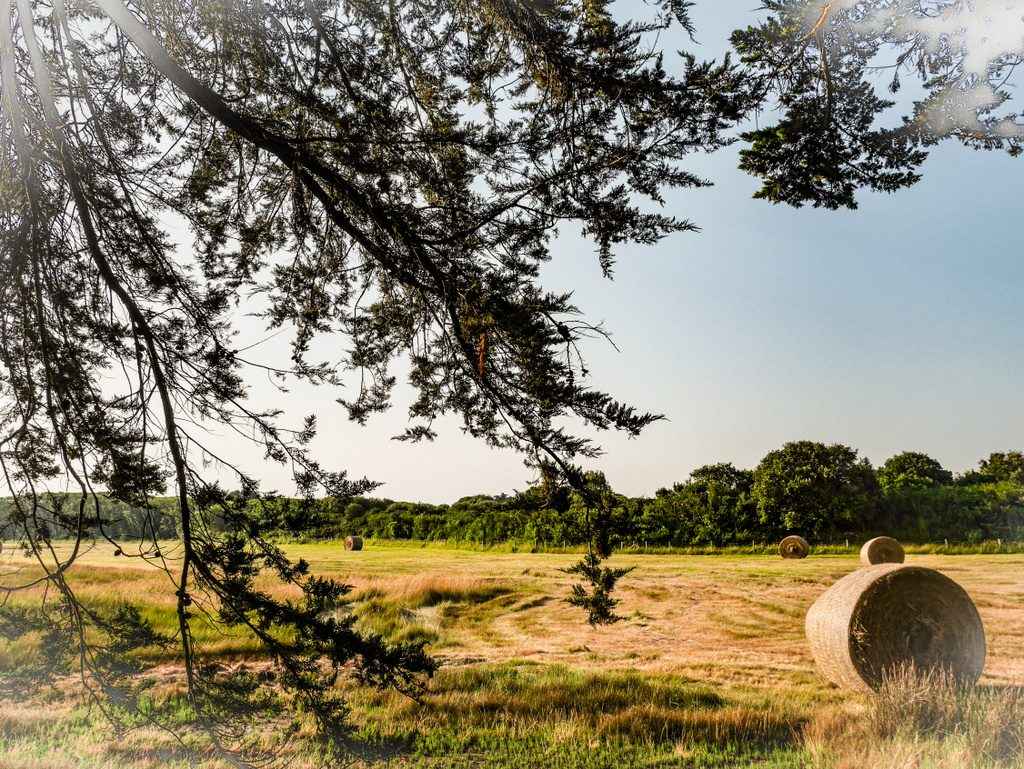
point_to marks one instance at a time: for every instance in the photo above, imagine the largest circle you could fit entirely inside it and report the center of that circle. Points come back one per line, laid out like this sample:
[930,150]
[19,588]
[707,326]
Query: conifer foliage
[824,62]
[389,173]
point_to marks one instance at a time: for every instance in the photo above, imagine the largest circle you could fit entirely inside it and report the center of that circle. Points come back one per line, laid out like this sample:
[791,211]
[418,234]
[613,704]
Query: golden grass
[728,625]
[732,619]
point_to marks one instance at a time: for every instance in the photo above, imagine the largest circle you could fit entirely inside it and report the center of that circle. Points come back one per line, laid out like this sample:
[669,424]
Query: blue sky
[891,328]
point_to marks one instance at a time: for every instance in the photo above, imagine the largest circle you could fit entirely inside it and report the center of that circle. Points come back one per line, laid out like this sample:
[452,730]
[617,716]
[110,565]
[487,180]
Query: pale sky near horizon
[895,327]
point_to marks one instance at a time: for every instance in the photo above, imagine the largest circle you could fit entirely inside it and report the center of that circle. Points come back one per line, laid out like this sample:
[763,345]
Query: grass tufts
[986,721]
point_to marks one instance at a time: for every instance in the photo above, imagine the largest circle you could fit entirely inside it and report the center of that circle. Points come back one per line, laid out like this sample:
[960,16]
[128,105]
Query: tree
[714,506]
[595,506]
[727,504]
[912,470]
[823,61]
[389,175]
[1000,466]
[812,488]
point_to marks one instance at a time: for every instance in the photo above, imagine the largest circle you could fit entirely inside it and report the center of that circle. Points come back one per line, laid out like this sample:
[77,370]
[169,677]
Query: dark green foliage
[713,507]
[1000,466]
[912,470]
[820,65]
[814,489]
[598,603]
[915,500]
[825,147]
[595,506]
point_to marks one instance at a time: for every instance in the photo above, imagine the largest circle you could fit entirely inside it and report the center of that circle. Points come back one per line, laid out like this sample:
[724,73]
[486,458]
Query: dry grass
[928,719]
[728,619]
[713,649]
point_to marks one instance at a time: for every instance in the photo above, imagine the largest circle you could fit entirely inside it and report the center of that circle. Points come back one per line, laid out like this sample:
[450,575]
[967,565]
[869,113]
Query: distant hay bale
[881,550]
[794,547]
[890,616]
[353,543]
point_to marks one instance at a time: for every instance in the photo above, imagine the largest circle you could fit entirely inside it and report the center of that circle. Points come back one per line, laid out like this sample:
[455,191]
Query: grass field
[711,668]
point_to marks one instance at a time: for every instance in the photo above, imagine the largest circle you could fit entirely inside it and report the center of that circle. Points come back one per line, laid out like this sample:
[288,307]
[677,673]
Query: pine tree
[388,175]
[822,64]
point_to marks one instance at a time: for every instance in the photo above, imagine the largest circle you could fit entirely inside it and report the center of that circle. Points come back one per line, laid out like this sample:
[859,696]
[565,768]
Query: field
[710,668]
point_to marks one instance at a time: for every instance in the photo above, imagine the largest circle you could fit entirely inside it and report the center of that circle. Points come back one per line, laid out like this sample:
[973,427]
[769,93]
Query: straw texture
[353,543]
[881,550]
[794,547]
[884,616]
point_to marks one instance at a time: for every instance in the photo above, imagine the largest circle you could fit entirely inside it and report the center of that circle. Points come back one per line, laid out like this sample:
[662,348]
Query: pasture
[709,668]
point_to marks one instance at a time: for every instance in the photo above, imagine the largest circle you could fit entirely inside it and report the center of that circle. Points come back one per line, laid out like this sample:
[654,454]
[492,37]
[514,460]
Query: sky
[894,327]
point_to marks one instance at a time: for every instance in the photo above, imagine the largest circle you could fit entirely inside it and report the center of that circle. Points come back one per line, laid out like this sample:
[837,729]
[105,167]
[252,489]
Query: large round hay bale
[881,550]
[890,615]
[794,547]
[353,543]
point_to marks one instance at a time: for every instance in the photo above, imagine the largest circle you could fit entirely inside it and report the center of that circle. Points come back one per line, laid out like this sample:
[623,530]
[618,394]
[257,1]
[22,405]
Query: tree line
[823,492]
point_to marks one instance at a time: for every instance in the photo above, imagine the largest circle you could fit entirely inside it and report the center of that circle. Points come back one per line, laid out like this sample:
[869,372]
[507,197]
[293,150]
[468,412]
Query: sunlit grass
[709,668]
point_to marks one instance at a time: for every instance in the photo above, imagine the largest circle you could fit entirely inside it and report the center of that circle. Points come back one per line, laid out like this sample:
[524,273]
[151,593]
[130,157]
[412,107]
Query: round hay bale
[353,543]
[890,615]
[794,547]
[881,550]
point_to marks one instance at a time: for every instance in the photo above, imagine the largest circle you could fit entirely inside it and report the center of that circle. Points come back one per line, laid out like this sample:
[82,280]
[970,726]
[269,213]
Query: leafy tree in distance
[388,177]
[912,470]
[1003,466]
[1007,467]
[727,501]
[815,489]
[714,506]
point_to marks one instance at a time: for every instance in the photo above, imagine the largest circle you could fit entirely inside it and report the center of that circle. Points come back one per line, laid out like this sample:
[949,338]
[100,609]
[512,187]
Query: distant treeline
[823,492]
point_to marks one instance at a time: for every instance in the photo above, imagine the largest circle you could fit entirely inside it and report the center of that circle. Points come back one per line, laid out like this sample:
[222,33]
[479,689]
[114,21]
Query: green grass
[540,749]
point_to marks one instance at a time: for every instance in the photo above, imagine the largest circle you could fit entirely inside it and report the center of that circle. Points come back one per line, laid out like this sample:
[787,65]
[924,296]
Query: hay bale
[890,615]
[353,543]
[881,550]
[794,547]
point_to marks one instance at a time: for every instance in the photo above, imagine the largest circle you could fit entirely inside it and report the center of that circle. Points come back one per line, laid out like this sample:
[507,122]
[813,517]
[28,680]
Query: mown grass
[710,668]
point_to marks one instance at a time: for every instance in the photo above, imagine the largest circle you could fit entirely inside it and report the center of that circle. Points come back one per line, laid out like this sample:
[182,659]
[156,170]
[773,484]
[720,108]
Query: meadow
[710,668]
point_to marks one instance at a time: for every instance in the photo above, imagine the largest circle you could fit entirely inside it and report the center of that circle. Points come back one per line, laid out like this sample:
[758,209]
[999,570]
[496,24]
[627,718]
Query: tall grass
[521,714]
[425,590]
[927,720]
[985,722]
